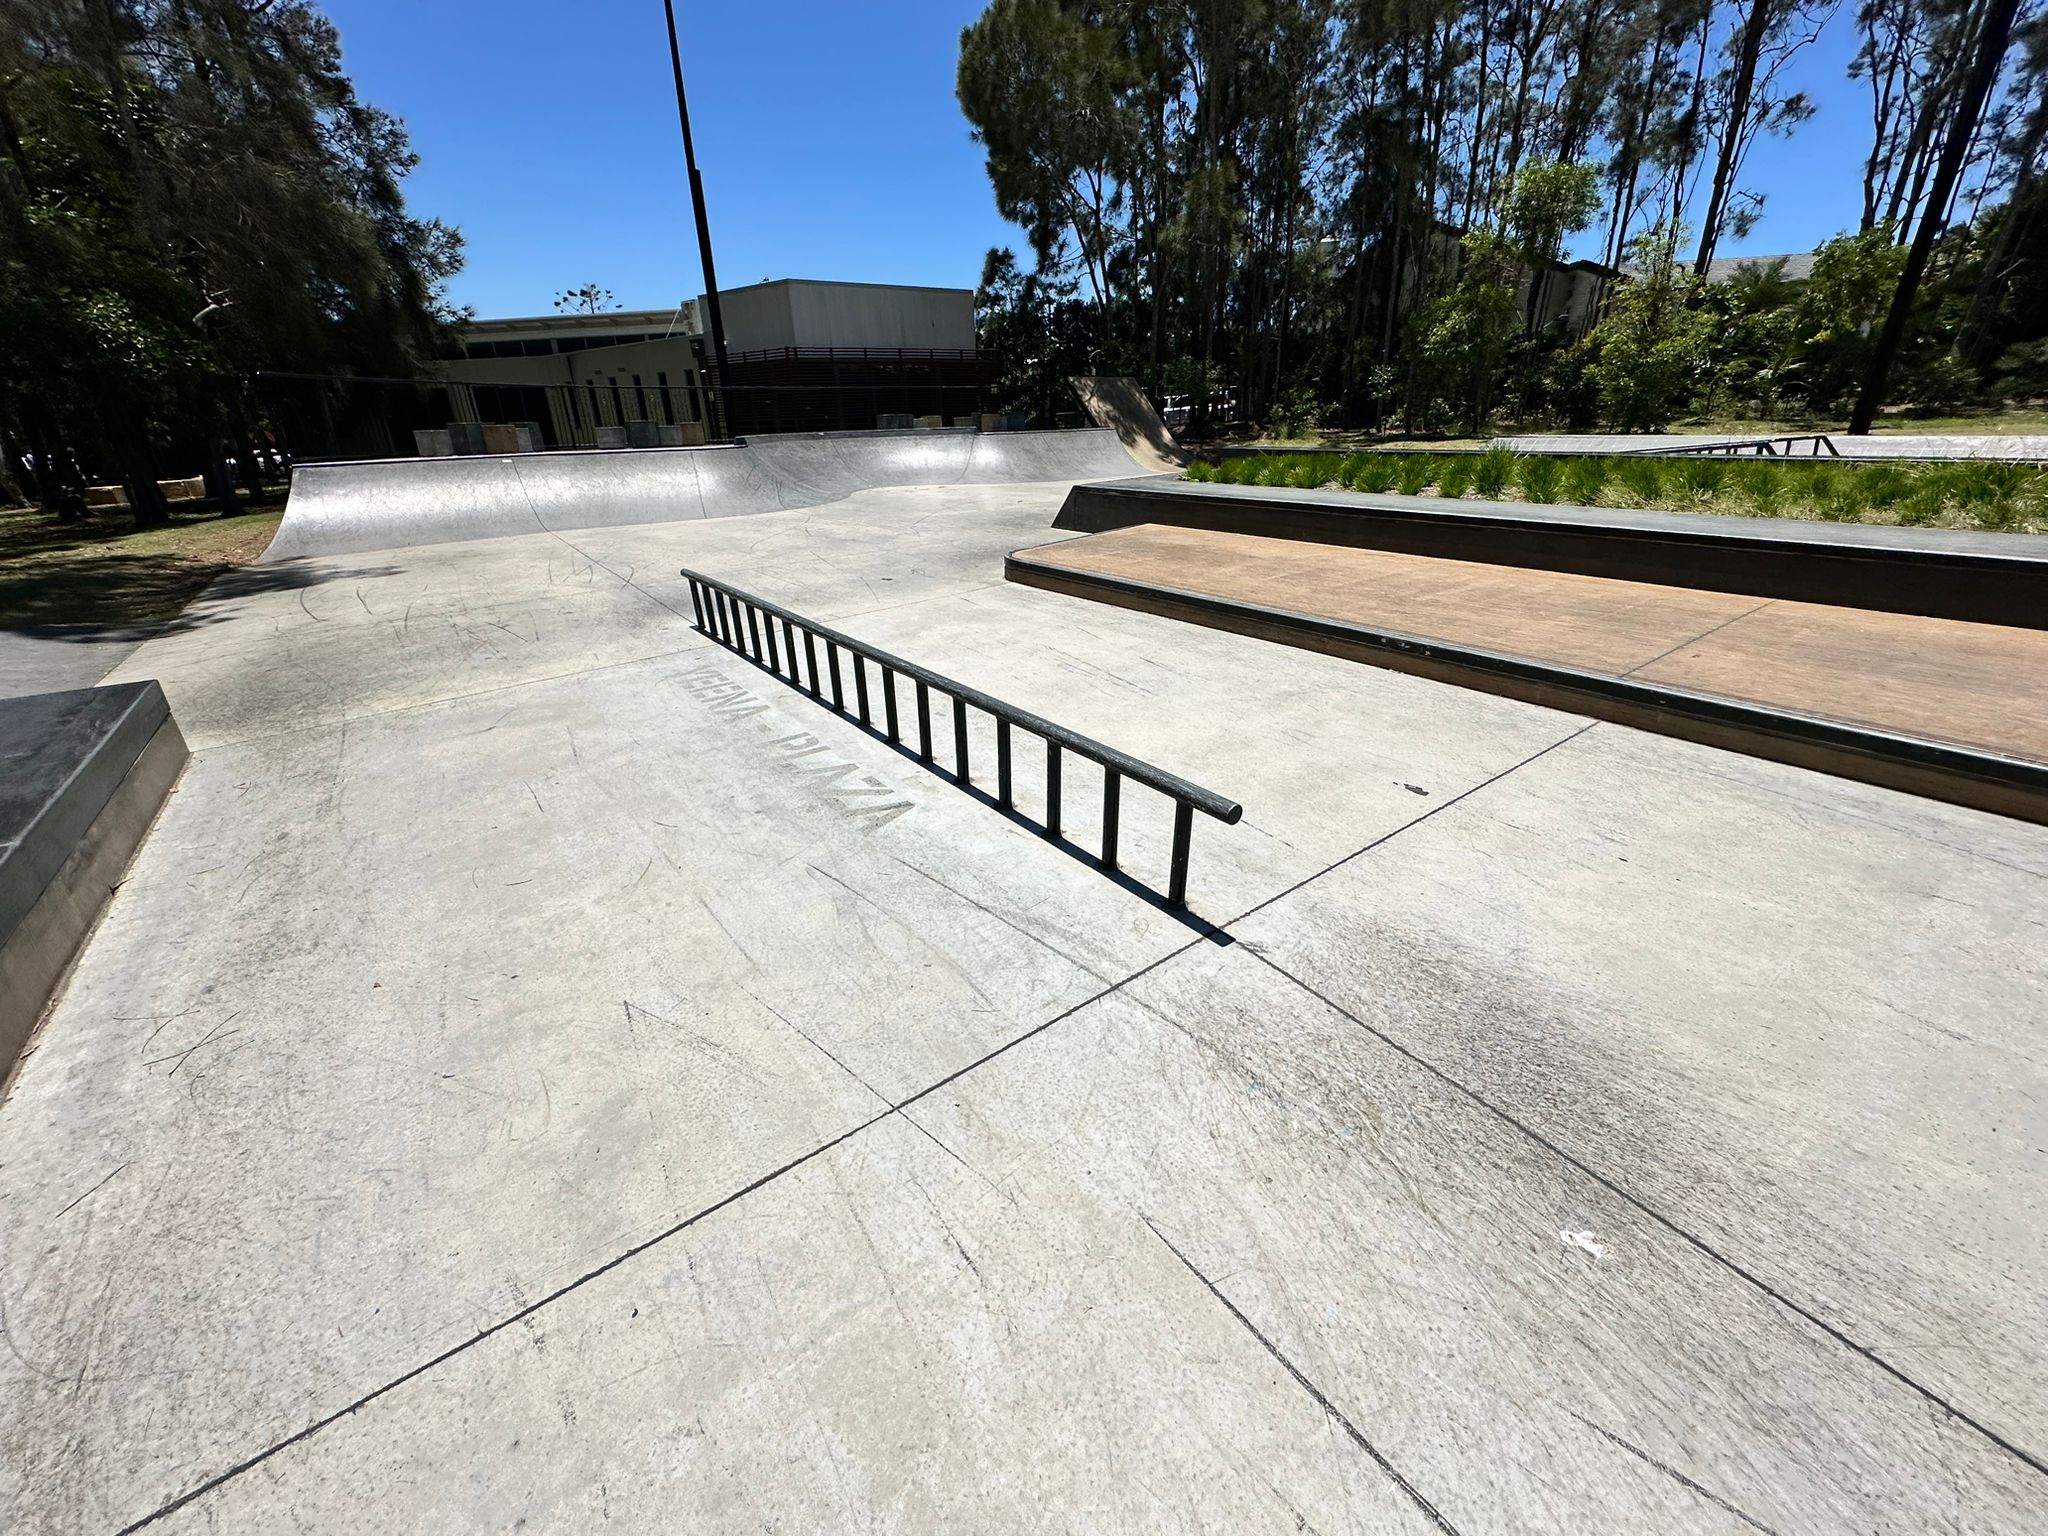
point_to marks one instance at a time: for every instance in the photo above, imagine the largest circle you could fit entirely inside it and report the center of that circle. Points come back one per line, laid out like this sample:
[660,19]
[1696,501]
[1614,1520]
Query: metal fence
[317,416]
[745,623]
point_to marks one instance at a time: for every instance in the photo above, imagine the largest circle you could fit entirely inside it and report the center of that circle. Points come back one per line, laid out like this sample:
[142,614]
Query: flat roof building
[805,356]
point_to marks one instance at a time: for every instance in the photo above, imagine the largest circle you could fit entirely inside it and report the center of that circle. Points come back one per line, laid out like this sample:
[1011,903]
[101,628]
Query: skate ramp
[1117,403]
[338,509]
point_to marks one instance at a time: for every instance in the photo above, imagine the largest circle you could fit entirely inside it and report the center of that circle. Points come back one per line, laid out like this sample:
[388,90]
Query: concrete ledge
[85,773]
[1987,781]
[1987,578]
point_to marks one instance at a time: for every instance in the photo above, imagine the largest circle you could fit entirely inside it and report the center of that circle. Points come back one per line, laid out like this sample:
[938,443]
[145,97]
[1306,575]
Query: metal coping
[733,618]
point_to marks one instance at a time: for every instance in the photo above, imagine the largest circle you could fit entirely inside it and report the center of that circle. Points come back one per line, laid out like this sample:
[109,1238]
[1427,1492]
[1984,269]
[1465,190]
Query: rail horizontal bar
[1207,801]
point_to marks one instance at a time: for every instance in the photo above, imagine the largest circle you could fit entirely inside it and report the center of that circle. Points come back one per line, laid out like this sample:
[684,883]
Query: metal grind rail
[1816,444]
[745,623]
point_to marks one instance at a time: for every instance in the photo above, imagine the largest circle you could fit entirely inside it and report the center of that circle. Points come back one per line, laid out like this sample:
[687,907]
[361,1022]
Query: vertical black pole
[716,317]
[1111,780]
[1183,833]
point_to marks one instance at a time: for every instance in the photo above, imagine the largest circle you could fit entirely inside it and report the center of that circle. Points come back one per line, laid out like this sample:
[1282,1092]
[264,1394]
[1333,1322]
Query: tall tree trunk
[1751,48]
[1986,58]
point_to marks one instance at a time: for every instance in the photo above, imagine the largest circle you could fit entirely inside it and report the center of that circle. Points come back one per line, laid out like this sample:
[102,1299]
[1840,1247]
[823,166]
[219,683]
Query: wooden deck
[1983,686]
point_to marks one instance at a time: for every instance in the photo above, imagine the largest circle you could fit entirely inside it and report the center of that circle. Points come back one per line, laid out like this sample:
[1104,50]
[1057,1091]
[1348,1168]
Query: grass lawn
[1984,494]
[104,570]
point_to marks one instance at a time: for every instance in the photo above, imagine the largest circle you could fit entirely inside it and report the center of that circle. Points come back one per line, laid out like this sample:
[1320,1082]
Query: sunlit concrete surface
[542,1070]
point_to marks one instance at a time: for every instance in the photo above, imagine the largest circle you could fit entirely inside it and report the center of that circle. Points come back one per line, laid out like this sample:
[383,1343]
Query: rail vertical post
[960,774]
[1003,763]
[697,601]
[1052,789]
[774,661]
[889,701]
[1183,834]
[832,662]
[1112,783]
[924,721]
[860,685]
[811,655]
[754,629]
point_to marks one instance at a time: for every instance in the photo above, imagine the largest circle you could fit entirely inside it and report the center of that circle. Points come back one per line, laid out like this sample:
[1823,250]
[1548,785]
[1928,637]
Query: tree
[191,191]
[1987,58]
[1650,350]
[587,300]
[1745,101]
[1461,338]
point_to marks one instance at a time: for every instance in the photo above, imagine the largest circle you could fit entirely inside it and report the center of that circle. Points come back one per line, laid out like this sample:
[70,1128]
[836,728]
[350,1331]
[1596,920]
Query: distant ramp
[1116,402]
[339,509]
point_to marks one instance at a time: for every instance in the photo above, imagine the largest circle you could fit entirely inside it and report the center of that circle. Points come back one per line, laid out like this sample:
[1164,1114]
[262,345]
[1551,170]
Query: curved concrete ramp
[1119,403]
[338,509]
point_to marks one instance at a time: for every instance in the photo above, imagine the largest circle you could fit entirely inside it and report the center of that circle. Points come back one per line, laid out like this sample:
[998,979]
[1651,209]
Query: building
[804,355]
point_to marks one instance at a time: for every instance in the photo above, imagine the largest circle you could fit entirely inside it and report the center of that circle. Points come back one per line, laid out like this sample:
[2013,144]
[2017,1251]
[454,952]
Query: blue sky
[828,135]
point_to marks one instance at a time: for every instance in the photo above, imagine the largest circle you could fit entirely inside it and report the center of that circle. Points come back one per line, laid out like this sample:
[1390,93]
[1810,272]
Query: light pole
[715,317]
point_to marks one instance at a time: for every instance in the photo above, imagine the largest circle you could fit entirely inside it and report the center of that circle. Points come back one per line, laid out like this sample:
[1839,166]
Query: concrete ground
[543,1071]
[1976,685]
[54,657]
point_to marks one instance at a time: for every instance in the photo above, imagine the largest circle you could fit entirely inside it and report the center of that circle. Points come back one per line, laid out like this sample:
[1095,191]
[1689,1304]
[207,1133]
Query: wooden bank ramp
[1954,710]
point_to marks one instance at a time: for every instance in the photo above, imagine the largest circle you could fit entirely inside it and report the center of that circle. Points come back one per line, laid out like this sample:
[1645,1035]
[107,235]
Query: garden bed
[1983,494]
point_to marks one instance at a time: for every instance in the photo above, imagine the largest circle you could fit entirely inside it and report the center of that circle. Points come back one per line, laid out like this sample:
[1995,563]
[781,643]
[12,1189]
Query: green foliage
[1547,200]
[1650,350]
[189,194]
[1763,485]
[1839,308]
[1491,474]
[1542,475]
[1885,485]
[1311,471]
[1987,493]
[1374,472]
[1460,339]
[1297,413]
[1701,476]
[1414,473]
[1641,476]
[1032,336]
[1585,481]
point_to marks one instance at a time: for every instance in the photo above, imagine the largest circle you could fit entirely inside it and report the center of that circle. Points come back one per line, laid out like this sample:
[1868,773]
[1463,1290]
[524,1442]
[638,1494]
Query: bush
[1492,472]
[1841,495]
[1312,471]
[1642,477]
[1376,472]
[1884,485]
[1297,413]
[1944,381]
[1541,475]
[1923,504]
[1201,471]
[1764,485]
[1414,474]
[1453,476]
[1584,481]
[1701,477]
[1272,469]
